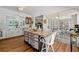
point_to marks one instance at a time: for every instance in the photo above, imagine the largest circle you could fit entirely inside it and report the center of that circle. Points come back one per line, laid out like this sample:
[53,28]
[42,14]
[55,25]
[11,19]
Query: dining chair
[48,42]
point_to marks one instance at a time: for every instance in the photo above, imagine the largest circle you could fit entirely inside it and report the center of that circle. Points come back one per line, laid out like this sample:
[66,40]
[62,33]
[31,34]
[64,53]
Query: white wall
[10,31]
[77,19]
[73,21]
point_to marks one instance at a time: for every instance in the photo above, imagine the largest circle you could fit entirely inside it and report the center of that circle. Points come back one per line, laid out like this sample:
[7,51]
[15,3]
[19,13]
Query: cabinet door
[33,40]
[26,35]
[35,37]
[34,44]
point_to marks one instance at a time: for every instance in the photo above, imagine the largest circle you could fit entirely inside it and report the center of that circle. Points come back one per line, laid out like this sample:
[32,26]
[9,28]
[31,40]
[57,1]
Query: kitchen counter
[38,32]
[34,37]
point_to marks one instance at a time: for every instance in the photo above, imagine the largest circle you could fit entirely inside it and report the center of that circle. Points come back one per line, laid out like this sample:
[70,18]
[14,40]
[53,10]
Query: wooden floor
[17,44]
[61,47]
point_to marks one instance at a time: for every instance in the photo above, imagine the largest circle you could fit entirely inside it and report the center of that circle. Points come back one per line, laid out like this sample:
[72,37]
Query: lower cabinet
[31,39]
[26,39]
[26,35]
[34,44]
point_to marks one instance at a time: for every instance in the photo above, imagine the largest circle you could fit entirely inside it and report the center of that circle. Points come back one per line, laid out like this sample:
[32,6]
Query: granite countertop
[38,32]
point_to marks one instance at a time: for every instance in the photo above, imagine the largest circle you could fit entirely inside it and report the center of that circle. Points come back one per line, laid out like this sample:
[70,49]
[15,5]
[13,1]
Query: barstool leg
[52,48]
[42,48]
[47,48]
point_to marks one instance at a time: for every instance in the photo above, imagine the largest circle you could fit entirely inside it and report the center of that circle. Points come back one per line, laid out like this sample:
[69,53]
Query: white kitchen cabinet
[31,39]
[34,43]
[26,35]
[41,22]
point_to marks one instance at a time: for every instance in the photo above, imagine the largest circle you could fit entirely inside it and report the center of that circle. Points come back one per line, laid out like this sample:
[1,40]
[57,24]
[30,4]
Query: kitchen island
[33,37]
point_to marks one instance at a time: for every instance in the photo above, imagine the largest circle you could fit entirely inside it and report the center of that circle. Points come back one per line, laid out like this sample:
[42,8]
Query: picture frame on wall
[11,21]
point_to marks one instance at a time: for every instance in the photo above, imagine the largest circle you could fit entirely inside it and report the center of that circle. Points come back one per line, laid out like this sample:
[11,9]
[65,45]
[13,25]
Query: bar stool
[48,42]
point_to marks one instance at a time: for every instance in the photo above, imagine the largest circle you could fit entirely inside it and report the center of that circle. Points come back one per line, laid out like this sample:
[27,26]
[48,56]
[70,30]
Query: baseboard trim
[11,37]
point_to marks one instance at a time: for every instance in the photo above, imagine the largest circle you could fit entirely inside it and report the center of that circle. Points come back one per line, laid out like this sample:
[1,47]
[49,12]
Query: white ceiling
[38,10]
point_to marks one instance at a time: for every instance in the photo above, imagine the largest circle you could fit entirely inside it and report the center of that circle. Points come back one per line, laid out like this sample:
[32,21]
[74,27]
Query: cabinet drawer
[26,33]
[35,39]
[34,44]
[35,36]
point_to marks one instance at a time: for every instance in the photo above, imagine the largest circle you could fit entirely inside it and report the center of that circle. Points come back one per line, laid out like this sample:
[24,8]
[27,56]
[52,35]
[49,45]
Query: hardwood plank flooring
[61,47]
[17,44]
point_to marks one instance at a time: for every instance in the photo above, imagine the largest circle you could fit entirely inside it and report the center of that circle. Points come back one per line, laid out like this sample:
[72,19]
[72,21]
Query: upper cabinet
[41,22]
